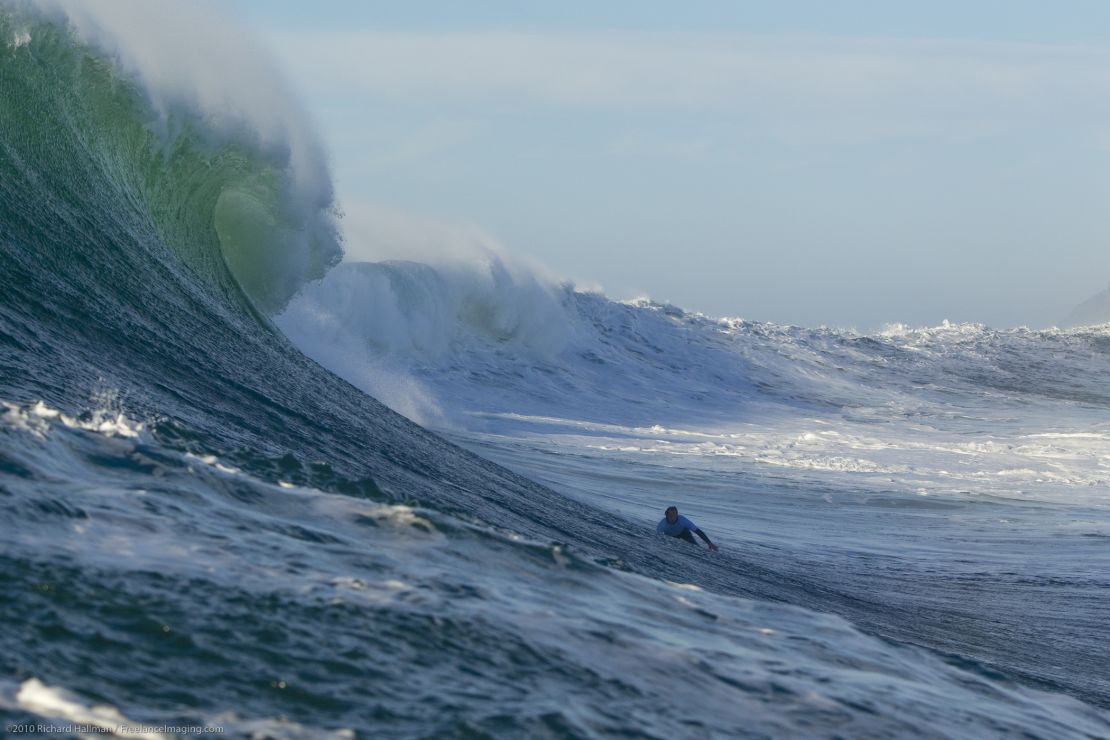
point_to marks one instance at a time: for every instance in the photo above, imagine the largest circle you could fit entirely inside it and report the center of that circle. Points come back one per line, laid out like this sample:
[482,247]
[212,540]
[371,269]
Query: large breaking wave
[203,526]
[162,122]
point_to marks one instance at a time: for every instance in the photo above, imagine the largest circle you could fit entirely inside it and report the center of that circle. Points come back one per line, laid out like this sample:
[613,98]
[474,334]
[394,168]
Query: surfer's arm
[705,537]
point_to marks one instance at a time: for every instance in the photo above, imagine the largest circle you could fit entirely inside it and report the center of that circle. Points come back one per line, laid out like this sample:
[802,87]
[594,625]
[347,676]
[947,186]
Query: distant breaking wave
[491,336]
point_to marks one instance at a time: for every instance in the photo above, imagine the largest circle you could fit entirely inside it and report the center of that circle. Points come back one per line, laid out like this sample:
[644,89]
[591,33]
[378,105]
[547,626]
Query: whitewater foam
[34,418]
[373,322]
[56,703]
[18,39]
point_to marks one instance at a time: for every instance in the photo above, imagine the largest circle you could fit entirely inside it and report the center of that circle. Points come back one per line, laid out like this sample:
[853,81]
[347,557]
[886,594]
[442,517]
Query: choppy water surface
[204,527]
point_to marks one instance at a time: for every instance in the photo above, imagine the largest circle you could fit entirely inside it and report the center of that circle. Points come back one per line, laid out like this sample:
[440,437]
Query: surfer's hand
[712,547]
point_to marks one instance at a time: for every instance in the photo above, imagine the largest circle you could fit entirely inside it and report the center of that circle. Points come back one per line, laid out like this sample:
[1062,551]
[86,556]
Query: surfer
[676,525]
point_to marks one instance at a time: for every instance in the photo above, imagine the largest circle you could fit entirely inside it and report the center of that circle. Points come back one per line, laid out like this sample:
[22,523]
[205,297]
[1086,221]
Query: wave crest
[202,140]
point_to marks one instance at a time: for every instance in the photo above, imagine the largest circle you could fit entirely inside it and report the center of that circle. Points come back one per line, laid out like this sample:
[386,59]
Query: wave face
[202,526]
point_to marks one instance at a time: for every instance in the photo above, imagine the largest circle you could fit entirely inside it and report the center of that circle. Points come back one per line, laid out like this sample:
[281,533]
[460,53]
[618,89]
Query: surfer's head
[672,514]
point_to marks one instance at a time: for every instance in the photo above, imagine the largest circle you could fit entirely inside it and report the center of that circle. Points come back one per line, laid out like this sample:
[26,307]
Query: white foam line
[55,703]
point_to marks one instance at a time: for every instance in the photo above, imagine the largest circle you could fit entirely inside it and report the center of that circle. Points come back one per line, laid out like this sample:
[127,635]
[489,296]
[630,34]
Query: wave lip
[189,121]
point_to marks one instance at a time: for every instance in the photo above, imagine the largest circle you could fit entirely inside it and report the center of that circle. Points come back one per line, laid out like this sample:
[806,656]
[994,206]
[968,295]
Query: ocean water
[245,485]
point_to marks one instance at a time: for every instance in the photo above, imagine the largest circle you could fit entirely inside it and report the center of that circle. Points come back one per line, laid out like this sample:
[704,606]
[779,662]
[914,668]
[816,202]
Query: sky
[844,164]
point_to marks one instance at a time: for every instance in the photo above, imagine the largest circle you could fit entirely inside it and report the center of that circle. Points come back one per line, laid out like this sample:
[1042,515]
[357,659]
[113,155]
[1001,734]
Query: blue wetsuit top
[679,529]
